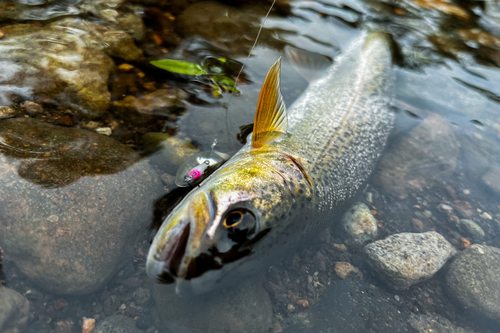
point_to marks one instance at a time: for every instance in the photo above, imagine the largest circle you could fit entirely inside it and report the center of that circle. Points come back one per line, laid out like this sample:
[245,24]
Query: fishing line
[244,64]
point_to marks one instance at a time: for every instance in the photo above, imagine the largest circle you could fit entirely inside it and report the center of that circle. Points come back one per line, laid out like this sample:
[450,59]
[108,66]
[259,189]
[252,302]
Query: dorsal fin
[271,119]
[310,65]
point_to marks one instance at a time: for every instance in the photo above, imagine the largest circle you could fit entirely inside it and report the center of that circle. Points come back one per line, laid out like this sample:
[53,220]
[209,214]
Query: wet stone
[149,108]
[74,71]
[407,258]
[471,229]
[245,309]
[7,112]
[492,179]
[14,311]
[116,324]
[72,204]
[473,279]
[435,324]
[429,152]
[360,224]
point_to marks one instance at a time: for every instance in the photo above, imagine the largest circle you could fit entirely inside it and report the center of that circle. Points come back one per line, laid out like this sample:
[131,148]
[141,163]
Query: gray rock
[74,71]
[14,311]
[151,107]
[105,11]
[7,112]
[471,229]
[407,258]
[72,204]
[474,280]
[430,151]
[244,309]
[435,324]
[116,324]
[360,224]
[492,178]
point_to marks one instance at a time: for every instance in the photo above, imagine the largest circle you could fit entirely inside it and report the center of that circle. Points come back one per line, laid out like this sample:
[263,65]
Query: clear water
[75,216]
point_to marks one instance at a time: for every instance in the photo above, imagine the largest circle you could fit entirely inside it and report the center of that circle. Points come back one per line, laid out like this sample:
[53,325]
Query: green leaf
[225,83]
[180,67]
[216,91]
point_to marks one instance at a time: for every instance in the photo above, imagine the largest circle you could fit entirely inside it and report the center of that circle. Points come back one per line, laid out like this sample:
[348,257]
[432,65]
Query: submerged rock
[474,280]
[72,204]
[492,179]
[116,324]
[7,112]
[430,151]
[360,224]
[245,309]
[435,324]
[405,259]
[151,107]
[471,229]
[67,61]
[14,311]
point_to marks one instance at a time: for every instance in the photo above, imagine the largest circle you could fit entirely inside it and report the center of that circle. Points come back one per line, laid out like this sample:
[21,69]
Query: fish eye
[233,218]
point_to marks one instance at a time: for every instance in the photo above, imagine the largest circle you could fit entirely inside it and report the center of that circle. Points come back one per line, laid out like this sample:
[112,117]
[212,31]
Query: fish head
[228,225]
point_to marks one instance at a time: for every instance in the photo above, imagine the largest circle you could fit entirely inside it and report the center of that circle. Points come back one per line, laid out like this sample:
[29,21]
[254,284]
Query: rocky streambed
[91,136]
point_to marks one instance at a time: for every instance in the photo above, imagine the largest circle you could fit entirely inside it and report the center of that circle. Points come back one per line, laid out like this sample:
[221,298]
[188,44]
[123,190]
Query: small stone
[417,224]
[91,125]
[290,308]
[142,296]
[407,258]
[32,108]
[360,223]
[144,321]
[343,269]
[125,67]
[64,326]
[427,214]
[60,303]
[465,242]
[65,121]
[7,112]
[88,325]
[115,324]
[14,311]
[340,247]
[492,178]
[302,302]
[473,279]
[486,216]
[445,207]
[471,229]
[104,131]
[464,208]
[396,297]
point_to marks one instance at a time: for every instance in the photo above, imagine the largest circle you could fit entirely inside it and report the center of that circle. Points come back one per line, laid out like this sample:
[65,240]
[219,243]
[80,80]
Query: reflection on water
[75,205]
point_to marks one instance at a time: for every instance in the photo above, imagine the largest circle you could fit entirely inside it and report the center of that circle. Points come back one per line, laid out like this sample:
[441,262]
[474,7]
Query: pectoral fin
[311,66]
[271,119]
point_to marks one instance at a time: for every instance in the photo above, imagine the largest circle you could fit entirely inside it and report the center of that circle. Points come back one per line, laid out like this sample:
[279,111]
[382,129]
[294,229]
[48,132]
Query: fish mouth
[167,265]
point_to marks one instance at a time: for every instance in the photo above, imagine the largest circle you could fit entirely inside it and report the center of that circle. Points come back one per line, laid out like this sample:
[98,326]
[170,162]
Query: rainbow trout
[300,172]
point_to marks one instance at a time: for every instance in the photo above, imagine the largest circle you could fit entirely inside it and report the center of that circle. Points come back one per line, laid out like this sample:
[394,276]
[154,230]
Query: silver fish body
[265,200]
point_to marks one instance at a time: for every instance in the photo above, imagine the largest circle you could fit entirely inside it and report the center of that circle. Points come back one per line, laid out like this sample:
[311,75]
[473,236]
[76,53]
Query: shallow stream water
[92,135]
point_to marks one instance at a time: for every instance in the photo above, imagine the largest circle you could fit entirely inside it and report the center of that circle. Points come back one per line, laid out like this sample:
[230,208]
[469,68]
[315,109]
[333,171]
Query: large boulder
[474,280]
[430,151]
[68,61]
[72,203]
